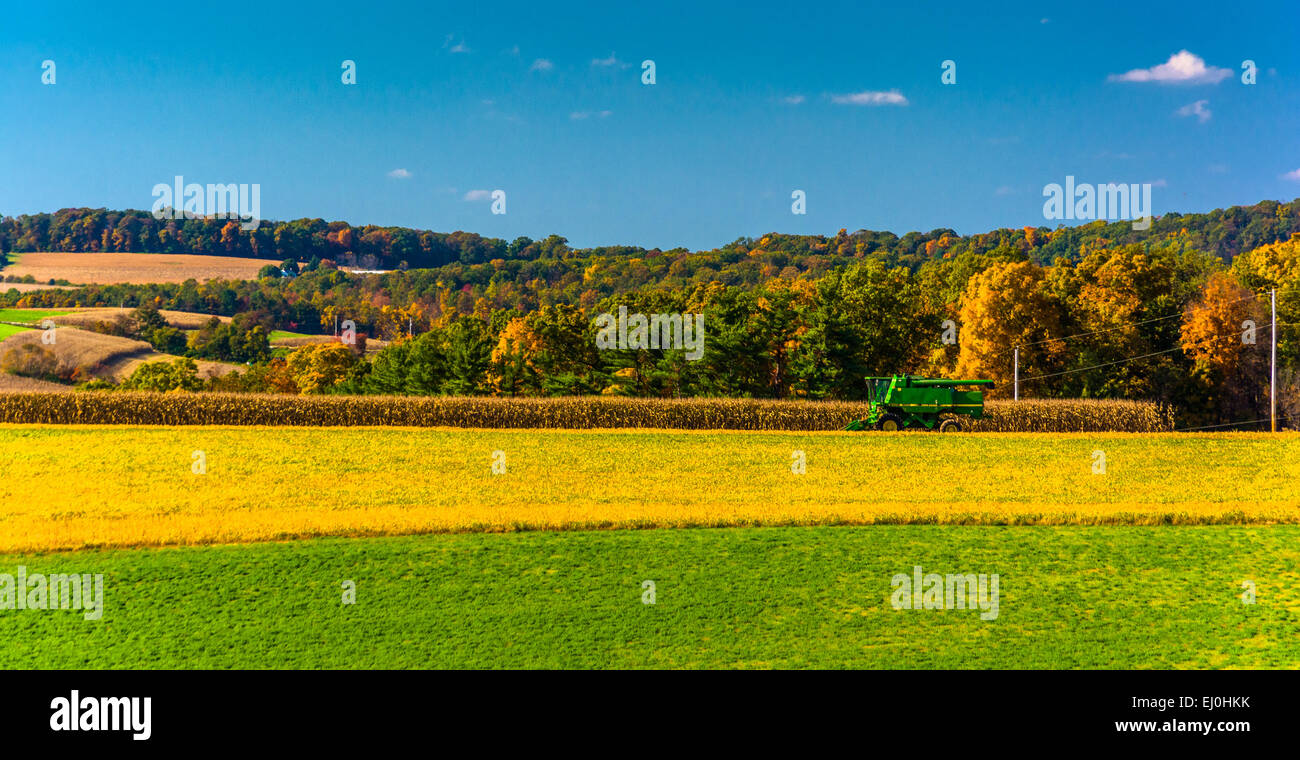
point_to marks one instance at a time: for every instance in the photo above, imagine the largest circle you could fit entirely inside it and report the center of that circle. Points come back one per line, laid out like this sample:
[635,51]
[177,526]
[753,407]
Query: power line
[1121,327]
[1228,424]
[1132,358]
[1182,313]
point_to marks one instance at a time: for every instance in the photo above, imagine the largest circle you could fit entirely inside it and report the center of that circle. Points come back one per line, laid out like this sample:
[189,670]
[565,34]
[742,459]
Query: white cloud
[459,47]
[610,61]
[541,64]
[399,174]
[871,98]
[1199,109]
[1293,176]
[1159,183]
[478,195]
[793,100]
[1044,20]
[1181,68]
[579,115]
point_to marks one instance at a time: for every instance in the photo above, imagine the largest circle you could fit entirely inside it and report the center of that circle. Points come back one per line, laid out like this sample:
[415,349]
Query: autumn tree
[1005,306]
[1226,336]
[317,368]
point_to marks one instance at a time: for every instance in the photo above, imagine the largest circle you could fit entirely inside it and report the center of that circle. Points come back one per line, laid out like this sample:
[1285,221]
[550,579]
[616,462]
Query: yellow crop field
[70,487]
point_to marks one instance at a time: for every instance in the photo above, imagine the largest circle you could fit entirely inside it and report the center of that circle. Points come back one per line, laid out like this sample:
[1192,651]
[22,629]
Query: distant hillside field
[104,356]
[131,268]
[18,384]
[183,320]
[28,287]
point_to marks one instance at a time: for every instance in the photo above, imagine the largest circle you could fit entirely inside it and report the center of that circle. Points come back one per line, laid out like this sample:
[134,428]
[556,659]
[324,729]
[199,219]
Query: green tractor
[906,401]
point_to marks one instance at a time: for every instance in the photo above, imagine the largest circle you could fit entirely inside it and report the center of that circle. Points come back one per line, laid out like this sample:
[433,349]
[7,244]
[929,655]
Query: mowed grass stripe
[78,487]
[1071,597]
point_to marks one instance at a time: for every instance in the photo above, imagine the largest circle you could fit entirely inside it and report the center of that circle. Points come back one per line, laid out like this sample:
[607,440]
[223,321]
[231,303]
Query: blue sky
[752,101]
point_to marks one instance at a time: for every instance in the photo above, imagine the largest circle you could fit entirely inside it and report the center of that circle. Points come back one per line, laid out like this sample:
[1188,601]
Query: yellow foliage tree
[1005,306]
[316,368]
[1226,334]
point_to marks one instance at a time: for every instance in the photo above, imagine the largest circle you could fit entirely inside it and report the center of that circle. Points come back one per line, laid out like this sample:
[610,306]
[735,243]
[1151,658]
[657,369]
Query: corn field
[141,408]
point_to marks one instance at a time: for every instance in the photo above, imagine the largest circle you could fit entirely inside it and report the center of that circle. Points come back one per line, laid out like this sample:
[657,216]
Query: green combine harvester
[906,401]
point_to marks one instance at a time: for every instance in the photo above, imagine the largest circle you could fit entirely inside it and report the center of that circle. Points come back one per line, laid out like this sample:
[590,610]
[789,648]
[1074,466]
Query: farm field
[8,330]
[795,597]
[19,384]
[286,335]
[136,268]
[29,287]
[106,356]
[558,412]
[183,320]
[81,317]
[31,316]
[71,487]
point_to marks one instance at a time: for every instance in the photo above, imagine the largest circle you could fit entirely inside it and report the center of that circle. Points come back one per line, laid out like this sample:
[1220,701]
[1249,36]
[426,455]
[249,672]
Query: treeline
[1137,321]
[1165,318]
[84,230]
[1223,232]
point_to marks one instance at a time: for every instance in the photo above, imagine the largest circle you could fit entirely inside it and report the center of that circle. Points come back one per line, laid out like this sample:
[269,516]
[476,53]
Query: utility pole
[1016,371]
[1272,368]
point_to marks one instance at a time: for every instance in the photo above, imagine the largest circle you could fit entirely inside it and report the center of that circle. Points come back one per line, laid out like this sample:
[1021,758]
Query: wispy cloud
[478,195]
[793,100]
[579,115]
[870,98]
[1004,190]
[1199,109]
[1293,176]
[400,174]
[1181,68]
[1159,183]
[541,64]
[612,60]
[458,47]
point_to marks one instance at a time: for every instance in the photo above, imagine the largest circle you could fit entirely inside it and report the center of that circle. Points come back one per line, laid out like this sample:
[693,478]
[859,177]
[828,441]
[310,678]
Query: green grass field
[1070,597]
[282,334]
[7,330]
[30,316]
[26,316]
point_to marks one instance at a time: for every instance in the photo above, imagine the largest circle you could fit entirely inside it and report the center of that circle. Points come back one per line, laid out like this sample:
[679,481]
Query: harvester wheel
[950,426]
[890,423]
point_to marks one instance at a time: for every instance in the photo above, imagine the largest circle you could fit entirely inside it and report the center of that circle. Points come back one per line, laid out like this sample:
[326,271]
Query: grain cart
[906,401]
